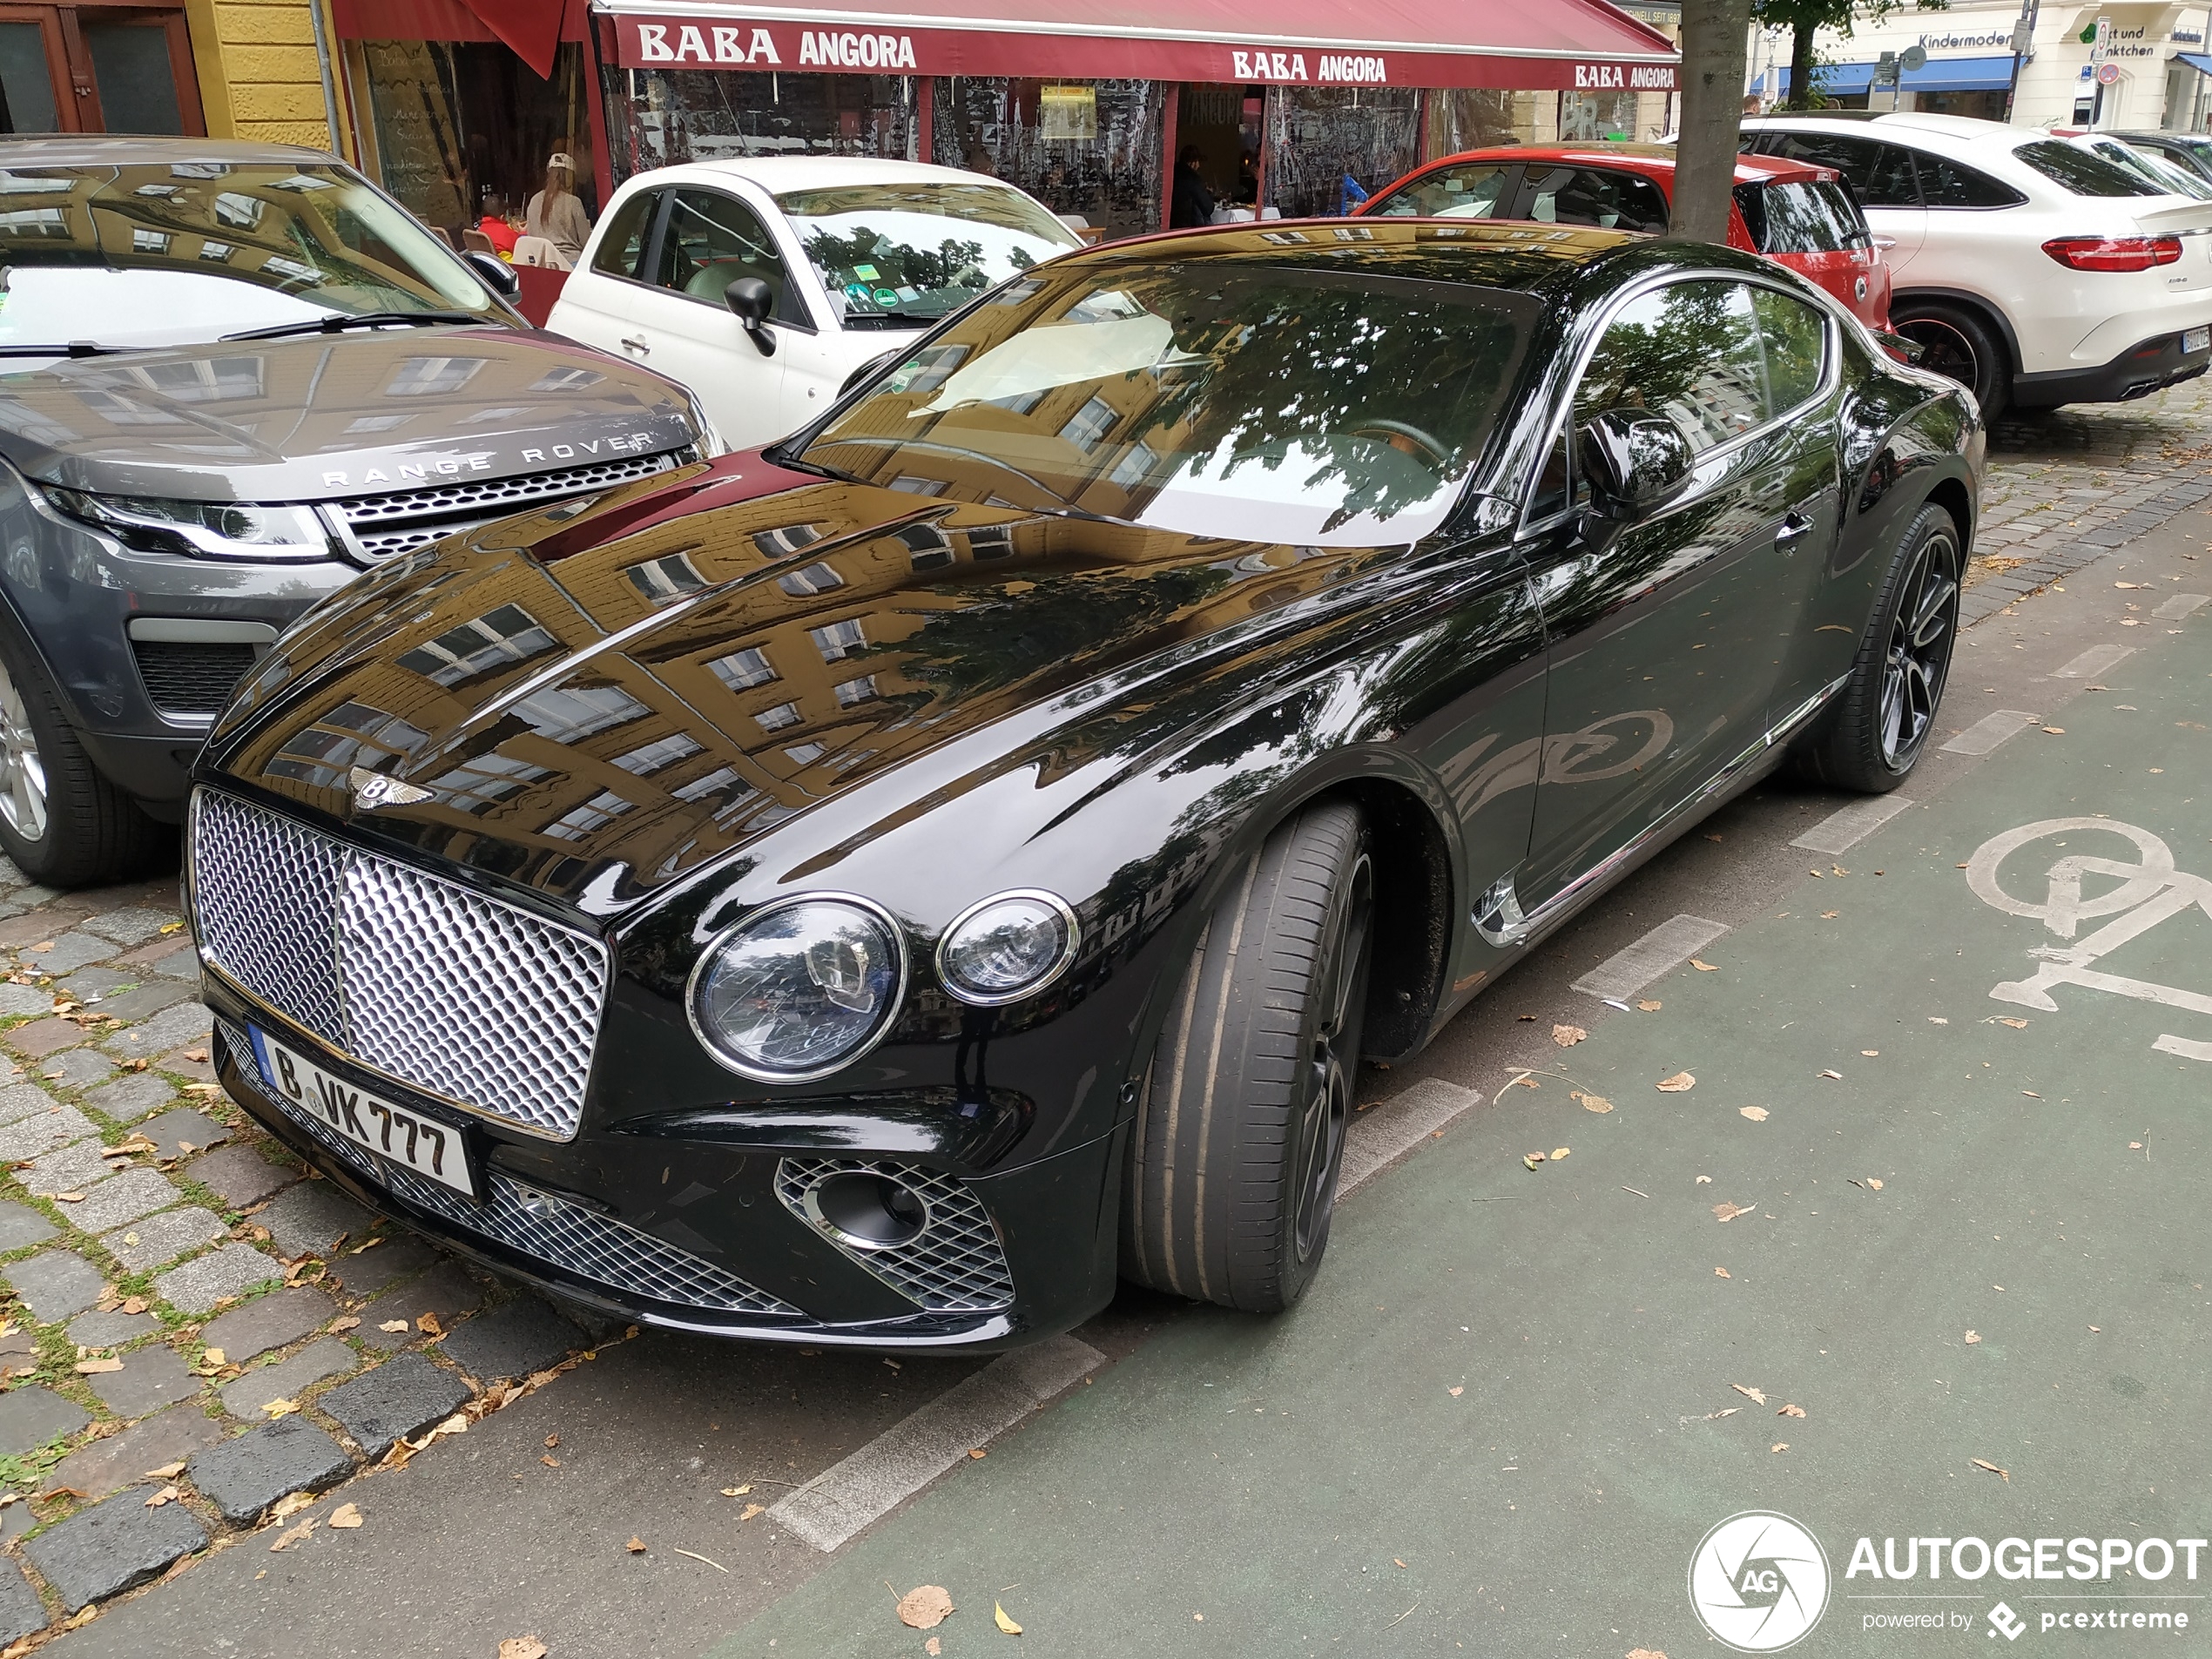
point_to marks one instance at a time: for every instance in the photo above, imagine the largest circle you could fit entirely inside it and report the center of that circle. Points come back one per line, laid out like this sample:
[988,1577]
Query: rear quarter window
[2081,173]
[1943,183]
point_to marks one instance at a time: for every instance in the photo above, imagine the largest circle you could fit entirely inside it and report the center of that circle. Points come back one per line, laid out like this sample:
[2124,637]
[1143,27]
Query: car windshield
[1459,190]
[906,253]
[2082,172]
[1220,398]
[176,253]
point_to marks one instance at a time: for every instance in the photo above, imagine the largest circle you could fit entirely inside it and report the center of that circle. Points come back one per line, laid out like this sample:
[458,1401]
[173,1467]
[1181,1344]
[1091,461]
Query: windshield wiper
[338,322]
[75,349]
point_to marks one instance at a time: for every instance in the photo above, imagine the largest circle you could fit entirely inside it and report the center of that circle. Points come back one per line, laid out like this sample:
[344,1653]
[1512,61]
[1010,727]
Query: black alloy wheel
[1958,346]
[1880,725]
[1238,1140]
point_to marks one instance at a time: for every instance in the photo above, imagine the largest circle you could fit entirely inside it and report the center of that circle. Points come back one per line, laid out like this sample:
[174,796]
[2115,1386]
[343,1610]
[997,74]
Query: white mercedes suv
[2031,270]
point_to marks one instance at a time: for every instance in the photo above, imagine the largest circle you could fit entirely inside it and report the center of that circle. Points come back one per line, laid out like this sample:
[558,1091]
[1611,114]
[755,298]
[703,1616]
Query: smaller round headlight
[1010,945]
[800,989]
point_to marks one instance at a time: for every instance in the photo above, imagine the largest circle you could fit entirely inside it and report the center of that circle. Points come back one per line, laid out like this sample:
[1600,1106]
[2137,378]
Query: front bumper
[603,1220]
[2141,369]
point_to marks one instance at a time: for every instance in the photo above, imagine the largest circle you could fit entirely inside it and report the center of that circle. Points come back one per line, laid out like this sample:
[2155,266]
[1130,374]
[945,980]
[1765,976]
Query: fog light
[866,1211]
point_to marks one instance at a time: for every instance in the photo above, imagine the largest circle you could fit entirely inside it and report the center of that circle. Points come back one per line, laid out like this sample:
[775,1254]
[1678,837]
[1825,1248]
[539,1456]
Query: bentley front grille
[386,526]
[545,1226]
[953,1264]
[476,1002]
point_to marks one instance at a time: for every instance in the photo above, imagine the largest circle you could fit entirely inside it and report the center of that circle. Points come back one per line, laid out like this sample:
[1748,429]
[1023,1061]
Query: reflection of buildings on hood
[2120,67]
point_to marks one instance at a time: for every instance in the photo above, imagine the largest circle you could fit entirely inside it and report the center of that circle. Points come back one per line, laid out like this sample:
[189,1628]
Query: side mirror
[1636,461]
[496,274]
[751,301]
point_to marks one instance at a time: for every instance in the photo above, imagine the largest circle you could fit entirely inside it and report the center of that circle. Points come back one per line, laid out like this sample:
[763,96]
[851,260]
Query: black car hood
[598,707]
[333,415]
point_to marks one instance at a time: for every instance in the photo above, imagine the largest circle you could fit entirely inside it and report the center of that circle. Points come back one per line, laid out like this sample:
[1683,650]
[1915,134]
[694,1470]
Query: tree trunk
[1801,71]
[1713,37]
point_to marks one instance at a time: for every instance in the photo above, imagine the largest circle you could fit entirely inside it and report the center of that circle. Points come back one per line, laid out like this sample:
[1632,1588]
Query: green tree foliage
[1804,18]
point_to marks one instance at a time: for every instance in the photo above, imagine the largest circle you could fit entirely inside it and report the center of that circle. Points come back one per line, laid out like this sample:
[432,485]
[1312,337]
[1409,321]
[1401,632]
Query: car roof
[1653,160]
[778,173]
[128,150]
[1961,129]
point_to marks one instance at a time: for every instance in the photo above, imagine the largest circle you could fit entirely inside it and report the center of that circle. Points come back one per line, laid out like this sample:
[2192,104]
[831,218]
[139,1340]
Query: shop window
[1324,143]
[461,129]
[1089,151]
[1467,118]
[1585,117]
[661,117]
[122,67]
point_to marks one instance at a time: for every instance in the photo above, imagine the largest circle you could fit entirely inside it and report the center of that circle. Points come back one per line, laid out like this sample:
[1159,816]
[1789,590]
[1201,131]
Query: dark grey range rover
[232,377]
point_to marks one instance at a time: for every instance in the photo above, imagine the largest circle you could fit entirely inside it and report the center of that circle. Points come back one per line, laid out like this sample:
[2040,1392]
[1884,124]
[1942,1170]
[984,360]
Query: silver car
[232,377]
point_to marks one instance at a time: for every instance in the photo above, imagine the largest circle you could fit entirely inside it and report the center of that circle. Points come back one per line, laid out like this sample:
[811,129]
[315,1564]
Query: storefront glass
[708,115]
[1088,149]
[1585,118]
[1466,118]
[462,129]
[1320,137]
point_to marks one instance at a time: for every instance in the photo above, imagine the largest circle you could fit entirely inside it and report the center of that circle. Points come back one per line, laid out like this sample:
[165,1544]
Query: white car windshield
[178,252]
[899,255]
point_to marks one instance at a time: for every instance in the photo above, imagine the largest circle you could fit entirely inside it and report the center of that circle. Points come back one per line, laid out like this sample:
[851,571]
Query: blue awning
[2197,61]
[1937,75]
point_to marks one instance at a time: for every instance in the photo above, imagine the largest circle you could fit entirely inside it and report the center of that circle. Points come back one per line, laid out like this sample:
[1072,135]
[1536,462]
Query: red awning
[1532,45]
[532,29]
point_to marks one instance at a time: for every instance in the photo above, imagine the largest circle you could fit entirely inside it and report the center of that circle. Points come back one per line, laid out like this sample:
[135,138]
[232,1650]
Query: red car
[1796,214]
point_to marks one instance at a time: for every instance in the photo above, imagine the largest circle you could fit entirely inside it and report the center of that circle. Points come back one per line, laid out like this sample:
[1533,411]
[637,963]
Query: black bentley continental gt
[880,888]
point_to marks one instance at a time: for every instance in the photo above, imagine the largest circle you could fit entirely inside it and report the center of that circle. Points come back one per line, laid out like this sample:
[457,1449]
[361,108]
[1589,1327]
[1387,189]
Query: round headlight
[1008,946]
[800,989]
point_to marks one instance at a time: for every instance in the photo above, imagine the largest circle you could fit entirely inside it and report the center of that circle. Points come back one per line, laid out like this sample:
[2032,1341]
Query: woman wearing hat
[555,213]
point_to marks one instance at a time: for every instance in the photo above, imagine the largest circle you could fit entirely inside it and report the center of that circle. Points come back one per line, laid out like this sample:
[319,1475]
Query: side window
[622,245]
[1557,488]
[1797,222]
[1945,184]
[1795,337]
[1881,174]
[1471,191]
[1689,350]
[1612,201]
[712,240]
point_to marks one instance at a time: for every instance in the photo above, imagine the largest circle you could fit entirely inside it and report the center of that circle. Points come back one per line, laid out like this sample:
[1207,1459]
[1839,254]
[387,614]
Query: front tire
[1887,708]
[1959,345]
[1239,1133]
[62,823]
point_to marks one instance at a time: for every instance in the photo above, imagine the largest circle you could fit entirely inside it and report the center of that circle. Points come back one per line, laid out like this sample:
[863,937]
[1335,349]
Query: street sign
[1912,58]
[2108,73]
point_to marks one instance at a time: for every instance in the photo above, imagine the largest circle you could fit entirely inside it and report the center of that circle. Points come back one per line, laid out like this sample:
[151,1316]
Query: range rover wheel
[1959,345]
[1233,1159]
[61,822]
[1884,715]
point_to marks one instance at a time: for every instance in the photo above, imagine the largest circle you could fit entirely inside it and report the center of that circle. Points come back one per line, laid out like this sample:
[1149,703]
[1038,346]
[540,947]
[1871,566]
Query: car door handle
[1791,531]
[637,346]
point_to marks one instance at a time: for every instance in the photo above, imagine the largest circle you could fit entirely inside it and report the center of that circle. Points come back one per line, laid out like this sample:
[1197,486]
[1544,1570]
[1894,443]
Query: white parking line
[1847,826]
[907,1456]
[1398,1125]
[2187,1048]
[2183,604]
[1991,730]
[1664,948]
[2098,659]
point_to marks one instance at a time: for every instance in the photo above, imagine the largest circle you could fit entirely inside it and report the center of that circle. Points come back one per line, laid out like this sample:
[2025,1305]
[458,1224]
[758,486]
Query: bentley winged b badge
[374,789]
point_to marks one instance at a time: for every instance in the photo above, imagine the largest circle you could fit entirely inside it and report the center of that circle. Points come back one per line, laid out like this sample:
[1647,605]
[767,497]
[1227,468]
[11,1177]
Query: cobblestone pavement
[2067,487]
[198,1334]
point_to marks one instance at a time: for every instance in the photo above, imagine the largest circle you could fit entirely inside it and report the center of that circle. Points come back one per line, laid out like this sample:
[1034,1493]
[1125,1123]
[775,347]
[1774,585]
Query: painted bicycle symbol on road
[2137,893]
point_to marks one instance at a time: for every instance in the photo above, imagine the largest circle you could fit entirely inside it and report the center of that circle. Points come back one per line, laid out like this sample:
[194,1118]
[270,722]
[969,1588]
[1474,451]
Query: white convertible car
[763,284]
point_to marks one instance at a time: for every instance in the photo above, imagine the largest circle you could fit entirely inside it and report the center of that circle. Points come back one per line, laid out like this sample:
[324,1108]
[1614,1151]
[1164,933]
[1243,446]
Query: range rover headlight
[1010,945]
[207,530]
[799,990]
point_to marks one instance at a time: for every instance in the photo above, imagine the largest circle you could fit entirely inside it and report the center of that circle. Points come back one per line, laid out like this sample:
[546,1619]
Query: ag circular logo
[1758,1582]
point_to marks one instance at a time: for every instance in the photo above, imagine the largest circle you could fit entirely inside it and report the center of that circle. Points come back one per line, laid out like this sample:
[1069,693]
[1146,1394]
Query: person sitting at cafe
[555,213]
[1192,203]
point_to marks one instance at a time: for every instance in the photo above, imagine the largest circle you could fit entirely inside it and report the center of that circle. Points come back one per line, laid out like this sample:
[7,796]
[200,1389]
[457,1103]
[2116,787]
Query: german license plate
[2196,340]
[410,1139]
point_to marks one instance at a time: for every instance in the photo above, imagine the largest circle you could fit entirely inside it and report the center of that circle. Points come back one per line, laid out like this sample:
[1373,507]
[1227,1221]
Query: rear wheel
[1959,345]
[1887,708]
[61,822]
[1239,1137]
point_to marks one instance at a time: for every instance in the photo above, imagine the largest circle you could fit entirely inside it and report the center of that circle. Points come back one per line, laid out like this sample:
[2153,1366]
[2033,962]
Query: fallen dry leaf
[277,1408]
[196,1054]
[98,1368]
[552,1441]
[1531,1160]
[1833,1076]
[1704,967]
[1757,1114]
[166,1472]
[1730,1211]
[1676,1084]
[429,1325]
[345,1517]
[344,1322]
[291,1504]
[522,1648]
[1648,1005]
[752,1509]
[1973,1336]
[636,1545]
[69,1197]
[2055,730]
[549,1460]
[1638,1653]
[933,1647]
[1779,1445]
[998,1618]
[1722,1272]
[925,1607]
[1982,1464]
[1567,1035]
[977,1453]
[1791,1410]
[1750,1394]
[1456,1393]
[1829,915]
[167,1494]
[299,1535]
[134,1305]
[393,1327]
[737,1492]
[1703,1181]
[1559,1152]
[1874,1181]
